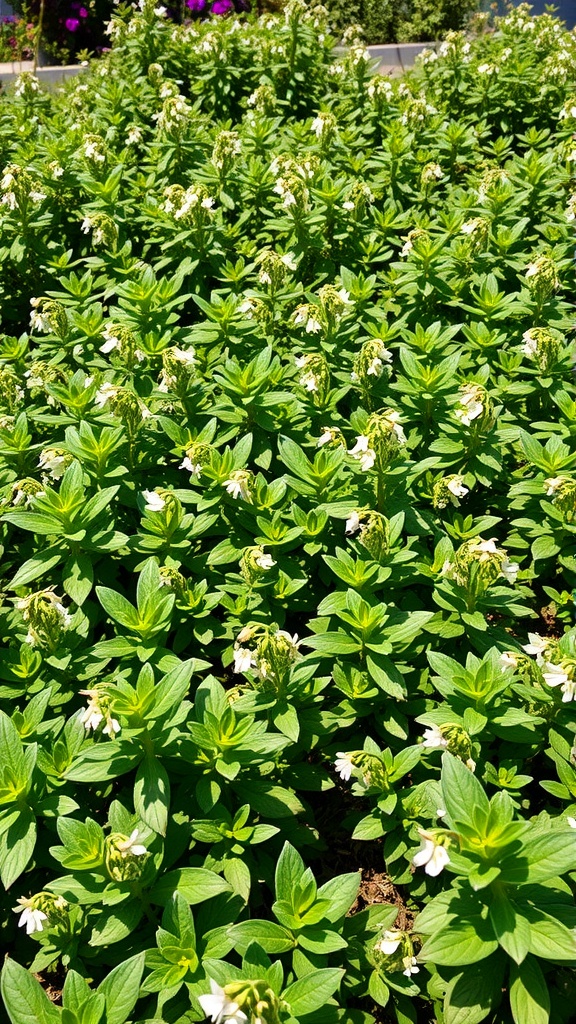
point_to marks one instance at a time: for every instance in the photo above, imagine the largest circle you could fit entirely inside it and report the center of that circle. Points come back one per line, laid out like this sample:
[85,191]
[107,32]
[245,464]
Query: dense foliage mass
[288,514]
[391,21]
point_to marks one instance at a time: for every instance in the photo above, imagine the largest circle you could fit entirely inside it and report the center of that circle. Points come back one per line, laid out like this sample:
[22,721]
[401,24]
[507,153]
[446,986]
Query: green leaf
[289,871]
[152,794]
[463,795]
[472,994]
[83,842]
[117,607]
[312,992]
[333,643]
[541,858]
[78,577]
[370,827]
[172,689]
[270,936]
[270,800]
[237,872]
[378,989]
[529,996]
[549,938]
[195,885]
[24,998]
[341,892]
[17,846]
[510,928]
[11,750]
[460,943]
[321,940]
[104,761]
[37,522]
[120,989]
[36,566]
[117,924]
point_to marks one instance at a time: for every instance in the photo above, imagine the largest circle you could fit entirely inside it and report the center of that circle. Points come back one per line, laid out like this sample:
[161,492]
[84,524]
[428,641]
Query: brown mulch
[376,887]
[52,985]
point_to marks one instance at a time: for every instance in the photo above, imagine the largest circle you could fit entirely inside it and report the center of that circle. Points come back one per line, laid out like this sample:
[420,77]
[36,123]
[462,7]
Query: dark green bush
[390,21]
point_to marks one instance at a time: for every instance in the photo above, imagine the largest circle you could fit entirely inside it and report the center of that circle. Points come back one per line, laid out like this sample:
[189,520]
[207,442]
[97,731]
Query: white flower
[194,468]
[134,135]
[328,434]
[571,822]
[431,856]
[234,488]
[509,570]
[53,462]
[553,484]
[317,126]
[287,636]
[352,524]
[104,393]
[555,675]
[264,560]
[470,408]
[91,718]
[361,451]
[392,417]
[111,342]
[112,726]
[456,487]
[154,501]
[538,645]
[487,547]
[530,346]
[509,660]
[309,381]
[433,738]
[219,1008]
[375,367]
[344,765]
[130,846]
[532,269]
[243,660]
[411,965]
[390,941]
[30,918]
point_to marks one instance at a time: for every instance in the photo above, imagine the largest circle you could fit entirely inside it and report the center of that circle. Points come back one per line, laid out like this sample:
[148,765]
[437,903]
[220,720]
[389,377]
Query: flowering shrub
[287,682]
[16,38]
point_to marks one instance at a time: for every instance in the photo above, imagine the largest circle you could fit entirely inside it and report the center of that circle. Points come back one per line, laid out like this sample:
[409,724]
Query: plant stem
[38,36]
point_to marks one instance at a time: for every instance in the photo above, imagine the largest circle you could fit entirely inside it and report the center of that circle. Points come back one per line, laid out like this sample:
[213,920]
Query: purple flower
[83,13]
[72,24]
[196,6]
[222,7]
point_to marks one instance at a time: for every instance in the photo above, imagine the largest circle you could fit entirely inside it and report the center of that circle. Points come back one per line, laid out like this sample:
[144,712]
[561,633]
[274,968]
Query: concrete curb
[399,55]
[48,75]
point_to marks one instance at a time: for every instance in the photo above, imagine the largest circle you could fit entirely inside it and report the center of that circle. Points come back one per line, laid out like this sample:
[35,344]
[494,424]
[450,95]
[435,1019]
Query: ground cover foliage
[288,530]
